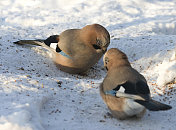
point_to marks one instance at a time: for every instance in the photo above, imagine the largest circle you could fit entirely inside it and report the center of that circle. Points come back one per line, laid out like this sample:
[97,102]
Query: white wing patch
[53,45]
[121,89]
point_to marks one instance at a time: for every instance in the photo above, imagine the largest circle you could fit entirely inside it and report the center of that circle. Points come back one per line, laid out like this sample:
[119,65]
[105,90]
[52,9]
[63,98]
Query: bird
[75,50]
[124,90]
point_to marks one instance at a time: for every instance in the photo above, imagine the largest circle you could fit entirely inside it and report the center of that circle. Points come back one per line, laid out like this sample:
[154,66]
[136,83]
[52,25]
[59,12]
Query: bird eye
[98,42]
[106,60]
[96,46]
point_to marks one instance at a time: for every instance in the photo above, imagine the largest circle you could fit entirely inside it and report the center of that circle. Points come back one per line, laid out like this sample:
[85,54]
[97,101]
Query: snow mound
[16,121]
[167,72]
[26,117]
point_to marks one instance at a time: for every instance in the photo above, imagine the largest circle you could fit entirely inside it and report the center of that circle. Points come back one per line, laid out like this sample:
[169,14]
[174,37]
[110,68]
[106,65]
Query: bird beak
[104,49]
[106,68]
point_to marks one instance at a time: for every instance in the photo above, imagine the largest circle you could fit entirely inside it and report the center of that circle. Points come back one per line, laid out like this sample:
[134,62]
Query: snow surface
[167,73]
[35,95]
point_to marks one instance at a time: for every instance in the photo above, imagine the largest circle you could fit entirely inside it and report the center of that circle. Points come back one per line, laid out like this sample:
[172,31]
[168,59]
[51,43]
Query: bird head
[114,58]
[96,36]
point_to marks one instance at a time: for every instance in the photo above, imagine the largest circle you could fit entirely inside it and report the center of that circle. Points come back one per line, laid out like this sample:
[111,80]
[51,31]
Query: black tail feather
[48,41]
[52,39]
[153,105]
[31,42]
[41,42]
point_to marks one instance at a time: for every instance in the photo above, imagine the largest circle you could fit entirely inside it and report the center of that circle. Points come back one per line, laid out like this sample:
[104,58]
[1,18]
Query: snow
[35,95]
[167,73]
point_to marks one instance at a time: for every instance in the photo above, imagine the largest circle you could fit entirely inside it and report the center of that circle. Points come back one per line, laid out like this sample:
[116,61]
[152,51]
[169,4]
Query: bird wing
[130,96]
[128,78]
[71,43]
[135,87]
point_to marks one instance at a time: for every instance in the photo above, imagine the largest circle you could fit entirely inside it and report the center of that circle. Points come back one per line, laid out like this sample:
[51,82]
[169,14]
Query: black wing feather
[134,88]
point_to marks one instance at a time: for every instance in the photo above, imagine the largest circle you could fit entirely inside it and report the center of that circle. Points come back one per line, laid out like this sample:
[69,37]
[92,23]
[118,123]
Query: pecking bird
[75,50]
[124,90]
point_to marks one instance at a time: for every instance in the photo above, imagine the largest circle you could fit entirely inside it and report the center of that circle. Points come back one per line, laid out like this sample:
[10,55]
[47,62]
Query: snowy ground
[35,95]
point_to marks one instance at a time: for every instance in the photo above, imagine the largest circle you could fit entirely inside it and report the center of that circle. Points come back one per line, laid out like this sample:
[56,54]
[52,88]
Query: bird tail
[153,105]
[150,104]
[39,43]
[31,42]
[51,42]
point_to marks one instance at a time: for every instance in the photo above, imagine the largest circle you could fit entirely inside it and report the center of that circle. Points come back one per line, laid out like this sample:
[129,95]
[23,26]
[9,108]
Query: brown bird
[76,50]
[124,90]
